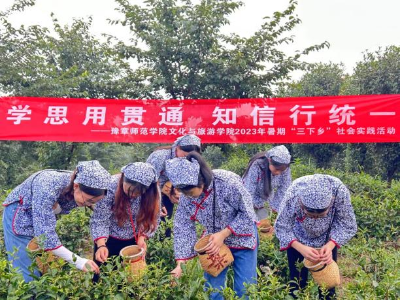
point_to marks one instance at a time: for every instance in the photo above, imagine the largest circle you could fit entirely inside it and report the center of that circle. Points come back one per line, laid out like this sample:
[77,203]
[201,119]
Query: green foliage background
[177,50]
[369,264]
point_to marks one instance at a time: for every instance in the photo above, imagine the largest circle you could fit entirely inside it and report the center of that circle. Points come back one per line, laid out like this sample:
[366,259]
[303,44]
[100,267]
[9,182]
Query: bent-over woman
[219,201]
[129,214]
[31,208]
[315,213]
[267,178]
[180,148]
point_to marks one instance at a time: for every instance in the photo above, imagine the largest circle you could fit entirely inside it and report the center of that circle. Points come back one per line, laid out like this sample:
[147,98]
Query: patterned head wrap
[182,172]
[188,140]
[92,174]
[279,154]
[143,173]
[315,191]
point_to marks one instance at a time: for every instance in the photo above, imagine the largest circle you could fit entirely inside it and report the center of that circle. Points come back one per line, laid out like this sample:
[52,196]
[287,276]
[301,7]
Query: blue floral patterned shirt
[103,222]
[36,196]
[233,210]
[254,182]
[293,224]
[157,159]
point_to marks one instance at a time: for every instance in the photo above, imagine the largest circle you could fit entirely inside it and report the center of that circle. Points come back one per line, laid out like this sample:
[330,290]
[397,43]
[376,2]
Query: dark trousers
[300,278]
[114,247]
[170,210]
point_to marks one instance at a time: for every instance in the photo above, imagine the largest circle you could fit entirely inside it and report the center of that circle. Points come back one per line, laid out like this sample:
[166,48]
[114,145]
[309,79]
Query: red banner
[336,119]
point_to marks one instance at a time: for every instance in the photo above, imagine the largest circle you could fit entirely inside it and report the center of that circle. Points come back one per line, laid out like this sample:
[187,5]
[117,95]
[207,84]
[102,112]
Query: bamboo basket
[133,256]
[42,258]
[213,264]
[266,230]
[326,276]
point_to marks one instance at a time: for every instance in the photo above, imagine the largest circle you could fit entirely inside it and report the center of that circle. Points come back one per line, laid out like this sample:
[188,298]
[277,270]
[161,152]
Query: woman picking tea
[314,220]
[219,201]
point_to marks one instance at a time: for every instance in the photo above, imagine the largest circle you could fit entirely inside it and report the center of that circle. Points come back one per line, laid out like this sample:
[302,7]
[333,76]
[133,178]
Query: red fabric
[238,234]
[184,259]
[53,248]
[329,119]
[102,237]
[136,236]
[290,245]
[333,241]
[199,205]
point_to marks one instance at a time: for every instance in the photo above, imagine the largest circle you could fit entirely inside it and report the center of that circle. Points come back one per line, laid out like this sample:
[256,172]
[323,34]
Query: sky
[350,26]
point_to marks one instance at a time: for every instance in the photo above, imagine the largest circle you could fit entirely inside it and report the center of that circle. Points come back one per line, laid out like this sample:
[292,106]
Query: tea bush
[369,264]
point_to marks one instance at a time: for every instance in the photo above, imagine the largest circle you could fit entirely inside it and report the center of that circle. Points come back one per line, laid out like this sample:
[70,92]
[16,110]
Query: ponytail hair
[205,174]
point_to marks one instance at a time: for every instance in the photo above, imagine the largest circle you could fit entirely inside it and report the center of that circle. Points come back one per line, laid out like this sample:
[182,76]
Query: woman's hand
[177,272]
[326,252]
[216,241]
[164,212]
[141,242]
[101,254]
[307,252]
[174,197]
[91,266]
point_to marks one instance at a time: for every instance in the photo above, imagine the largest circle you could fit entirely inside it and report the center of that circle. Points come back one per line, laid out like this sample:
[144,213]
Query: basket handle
[318,264]
[201,250]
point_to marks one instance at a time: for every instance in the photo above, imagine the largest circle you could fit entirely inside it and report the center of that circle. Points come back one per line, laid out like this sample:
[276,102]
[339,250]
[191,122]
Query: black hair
[92,191]
[264,165]
[205,174]
[190,148]
[315,210]
[68,192]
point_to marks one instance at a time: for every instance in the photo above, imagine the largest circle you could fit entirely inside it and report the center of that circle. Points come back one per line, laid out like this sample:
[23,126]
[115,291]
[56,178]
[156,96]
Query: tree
[179,45]
[70,62]
[320,80]
[379,73]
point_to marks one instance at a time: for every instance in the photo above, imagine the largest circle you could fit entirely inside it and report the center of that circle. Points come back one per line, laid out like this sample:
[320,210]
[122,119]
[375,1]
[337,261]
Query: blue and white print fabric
[103,222]
[36,196]
[254,182]
[316,198]
[92,174]
[293,224]
[279,154]
[143,173]
[233,210]
[182,172]
[188,140]
[157,159]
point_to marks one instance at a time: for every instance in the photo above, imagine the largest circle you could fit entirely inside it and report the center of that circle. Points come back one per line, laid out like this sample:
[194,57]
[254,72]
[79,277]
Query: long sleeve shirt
[37,196]
[254,182]
[157,159]
[233,210]
[103,222]
[293,224]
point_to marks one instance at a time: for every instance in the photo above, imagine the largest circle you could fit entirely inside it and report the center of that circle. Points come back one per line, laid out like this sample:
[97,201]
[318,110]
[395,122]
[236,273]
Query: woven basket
[213,264]
[42,258]
[266,230]
[326,276]
[133,256]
